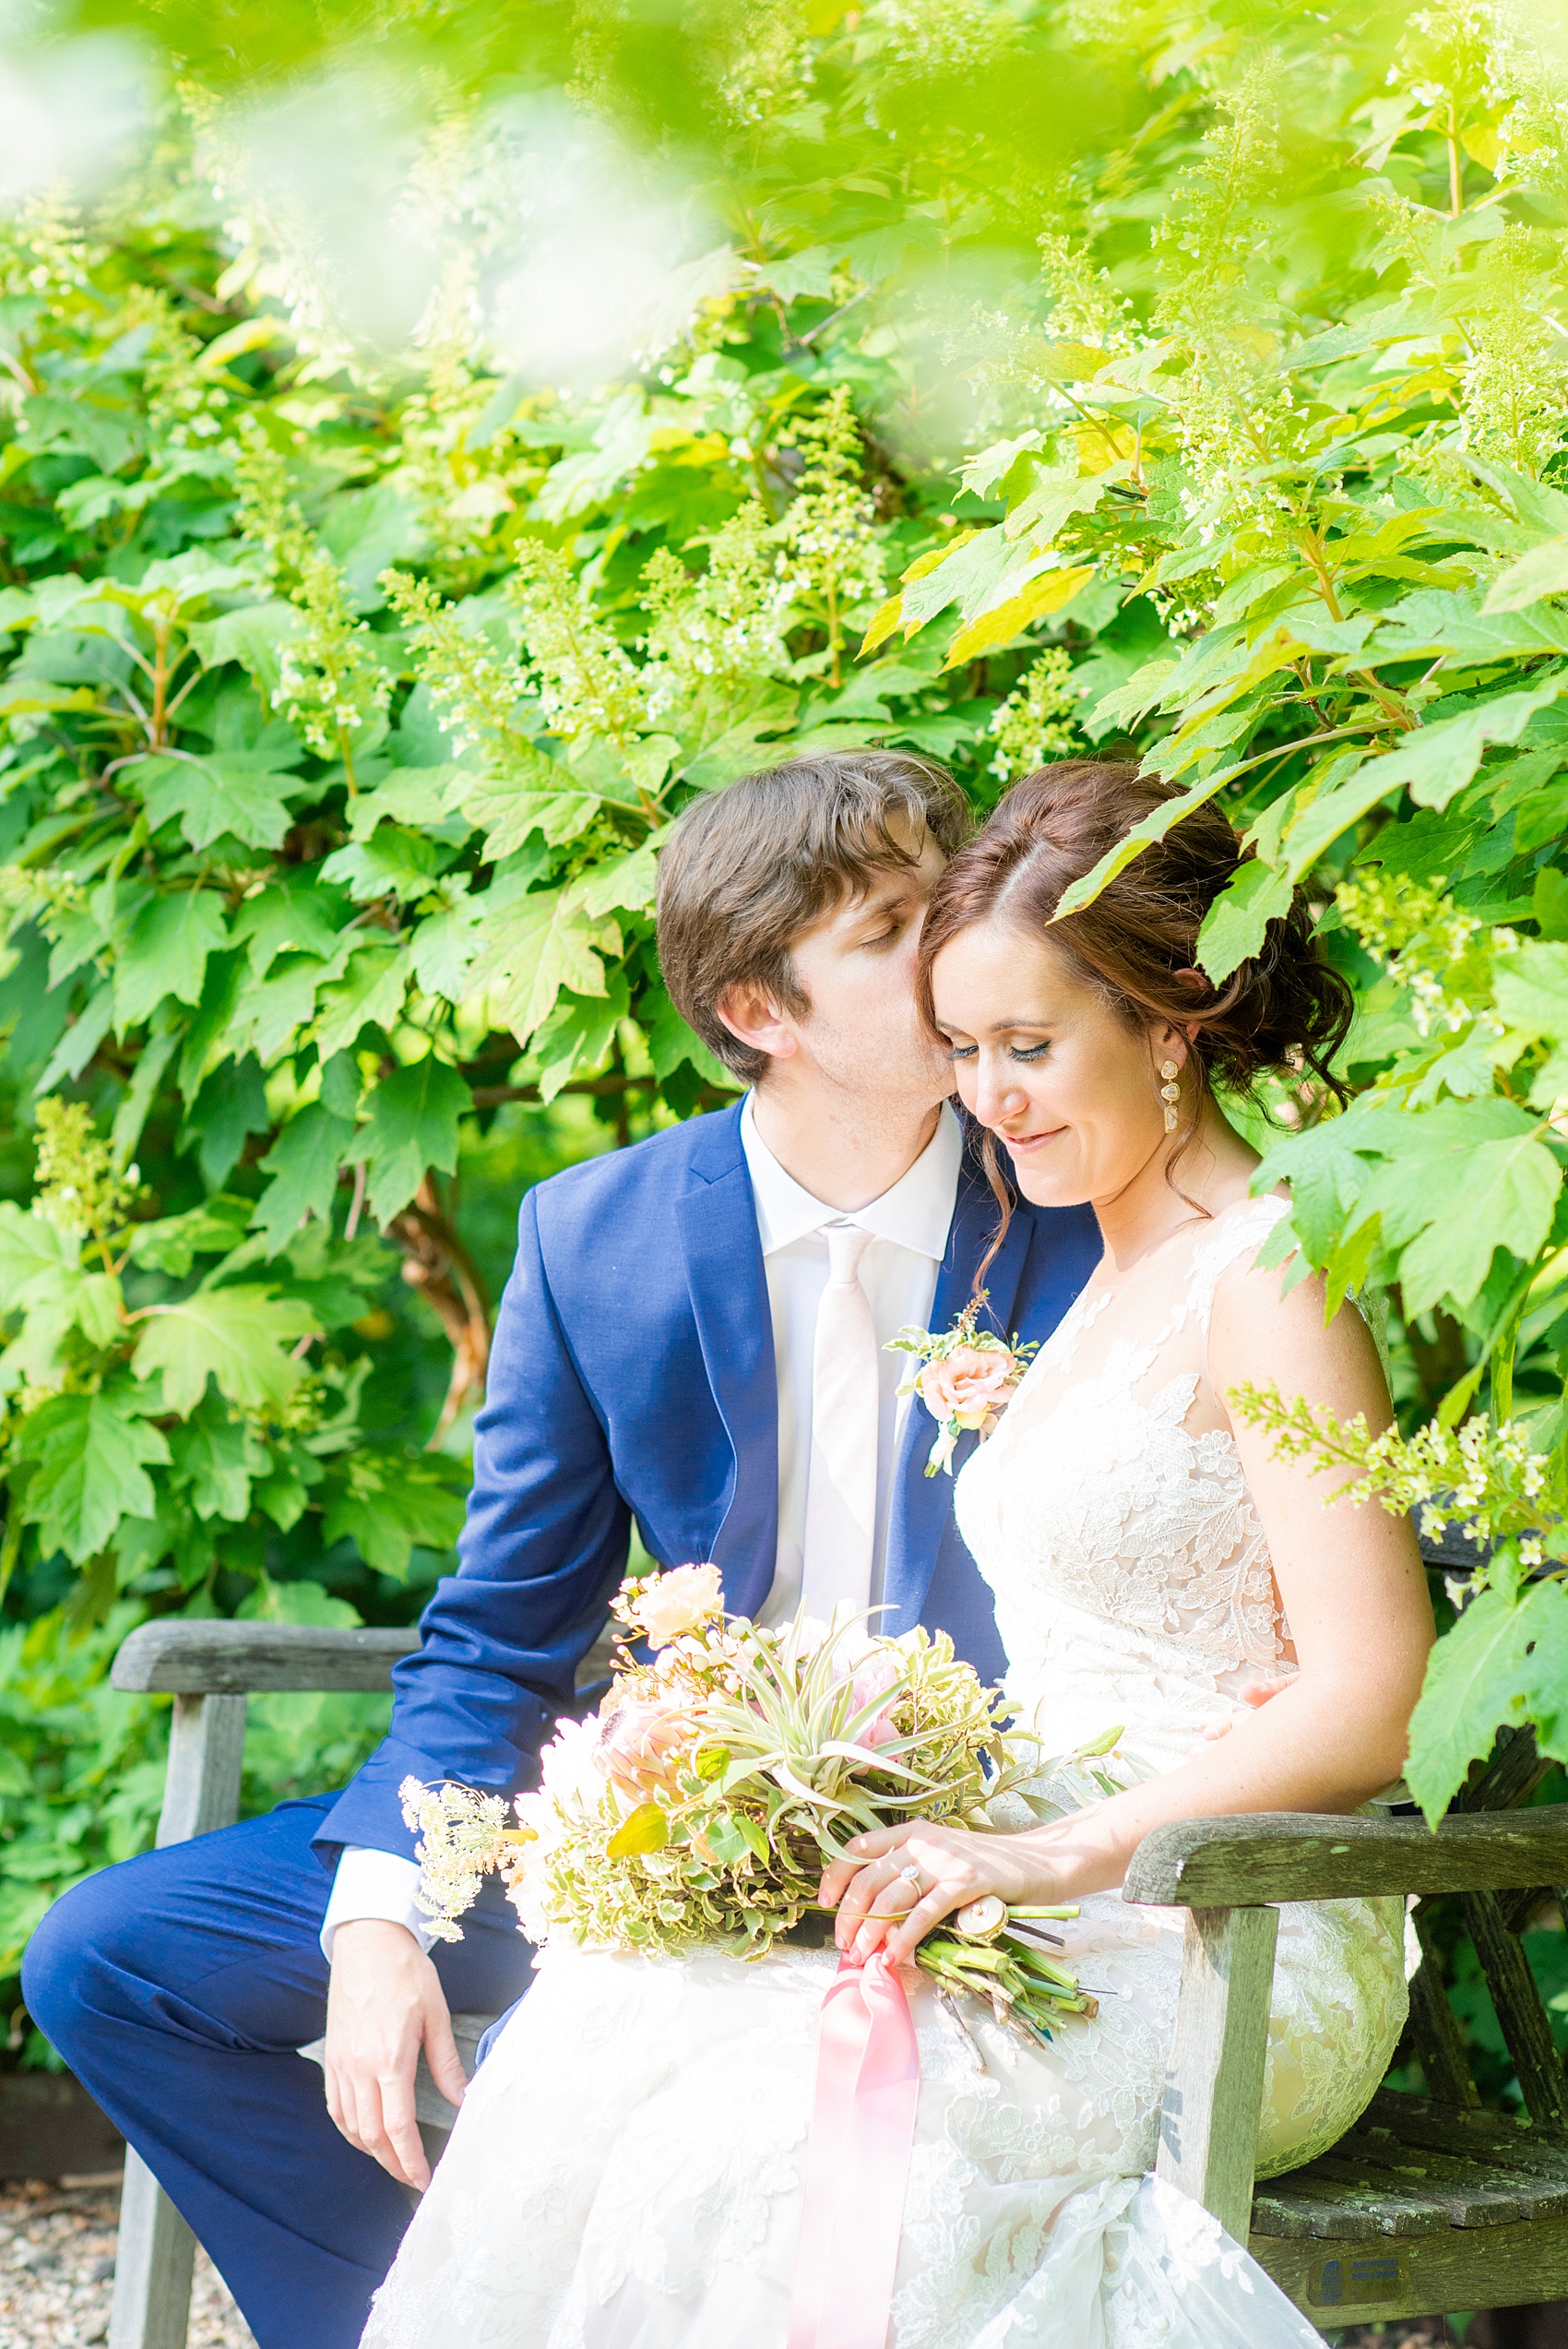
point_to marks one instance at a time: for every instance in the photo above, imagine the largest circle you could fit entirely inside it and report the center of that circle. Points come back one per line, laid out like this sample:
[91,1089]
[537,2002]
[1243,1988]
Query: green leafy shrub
[1180,387]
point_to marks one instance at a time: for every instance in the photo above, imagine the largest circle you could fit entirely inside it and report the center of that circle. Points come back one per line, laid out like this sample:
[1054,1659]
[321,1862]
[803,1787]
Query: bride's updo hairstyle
[1285,1008]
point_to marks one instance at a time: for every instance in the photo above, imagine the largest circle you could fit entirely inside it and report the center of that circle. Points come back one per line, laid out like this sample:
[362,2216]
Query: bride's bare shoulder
[1270,1323]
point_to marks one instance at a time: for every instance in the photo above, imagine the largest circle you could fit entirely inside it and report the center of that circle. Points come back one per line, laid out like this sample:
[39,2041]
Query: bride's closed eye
[1016,1051]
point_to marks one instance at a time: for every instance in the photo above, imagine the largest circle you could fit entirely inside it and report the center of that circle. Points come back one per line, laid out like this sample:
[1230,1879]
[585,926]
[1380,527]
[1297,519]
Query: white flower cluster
[1028,728]
[1487,1480]
[475,692]
[586,681]
[460,1833]
[1421,937]
[723,627]
[833,560]
[946,39]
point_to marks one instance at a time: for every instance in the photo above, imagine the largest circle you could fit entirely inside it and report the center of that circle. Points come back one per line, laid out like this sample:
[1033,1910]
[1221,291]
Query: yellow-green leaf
[884,620]
[994,629]
[644,1829]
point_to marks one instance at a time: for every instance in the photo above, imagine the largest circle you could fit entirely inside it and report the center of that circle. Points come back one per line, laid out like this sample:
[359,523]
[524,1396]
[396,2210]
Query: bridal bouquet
[702,1802]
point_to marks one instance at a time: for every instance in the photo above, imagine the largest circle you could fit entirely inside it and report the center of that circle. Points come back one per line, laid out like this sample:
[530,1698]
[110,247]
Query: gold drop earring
[1170,1093]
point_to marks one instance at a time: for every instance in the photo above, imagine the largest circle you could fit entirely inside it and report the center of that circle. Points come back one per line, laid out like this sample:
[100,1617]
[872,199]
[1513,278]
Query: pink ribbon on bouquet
[868,2079]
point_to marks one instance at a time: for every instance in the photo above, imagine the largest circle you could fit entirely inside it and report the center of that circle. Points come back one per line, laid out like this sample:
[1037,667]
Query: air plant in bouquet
[720,1775]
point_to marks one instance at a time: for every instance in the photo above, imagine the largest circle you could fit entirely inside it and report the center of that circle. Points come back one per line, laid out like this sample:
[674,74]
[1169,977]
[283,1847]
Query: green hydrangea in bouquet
[719,1778]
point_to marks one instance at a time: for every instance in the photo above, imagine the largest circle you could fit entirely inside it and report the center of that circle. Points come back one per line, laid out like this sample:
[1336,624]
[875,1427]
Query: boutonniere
[965,1378]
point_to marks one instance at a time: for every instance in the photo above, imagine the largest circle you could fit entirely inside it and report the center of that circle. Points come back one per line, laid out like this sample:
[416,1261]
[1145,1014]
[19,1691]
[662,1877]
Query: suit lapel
[729,1294]
[922,1504]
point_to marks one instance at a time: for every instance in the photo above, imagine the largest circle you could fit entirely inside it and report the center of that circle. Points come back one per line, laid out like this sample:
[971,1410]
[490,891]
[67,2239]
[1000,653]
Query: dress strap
[1239,1230]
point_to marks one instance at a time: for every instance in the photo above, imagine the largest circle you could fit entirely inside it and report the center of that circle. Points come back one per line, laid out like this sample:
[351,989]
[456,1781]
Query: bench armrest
[1289,1856]
[241,1659]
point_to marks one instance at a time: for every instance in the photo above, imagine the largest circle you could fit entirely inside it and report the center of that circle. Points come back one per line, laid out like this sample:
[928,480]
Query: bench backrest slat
[250,1659]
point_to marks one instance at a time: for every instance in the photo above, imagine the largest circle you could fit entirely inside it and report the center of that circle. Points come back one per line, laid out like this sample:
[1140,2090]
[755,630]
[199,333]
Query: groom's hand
[383,2003]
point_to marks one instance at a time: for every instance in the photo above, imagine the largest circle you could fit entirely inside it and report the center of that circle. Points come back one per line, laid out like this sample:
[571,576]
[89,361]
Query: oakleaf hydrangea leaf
[303,1164]
[236,790]
[166,953]
[388,1500]
[1480,1677]
[1234,926]
[412,1125]
[92,1458]
[239,1336]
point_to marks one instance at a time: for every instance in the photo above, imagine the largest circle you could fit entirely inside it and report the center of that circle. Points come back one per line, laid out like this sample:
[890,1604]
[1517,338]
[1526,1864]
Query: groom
[695,1336]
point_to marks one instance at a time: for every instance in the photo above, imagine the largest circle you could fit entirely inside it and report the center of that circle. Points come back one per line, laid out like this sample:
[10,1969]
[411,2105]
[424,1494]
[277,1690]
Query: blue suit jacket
[633,1376]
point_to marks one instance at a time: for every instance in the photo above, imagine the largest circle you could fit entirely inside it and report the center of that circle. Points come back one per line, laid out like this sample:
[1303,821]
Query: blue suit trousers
[178,1988]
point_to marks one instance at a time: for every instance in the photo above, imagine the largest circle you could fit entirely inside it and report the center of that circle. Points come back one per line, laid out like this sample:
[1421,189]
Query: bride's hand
[898,1882]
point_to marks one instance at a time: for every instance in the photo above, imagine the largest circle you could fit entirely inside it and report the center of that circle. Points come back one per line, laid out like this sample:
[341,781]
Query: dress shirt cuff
[372,1883]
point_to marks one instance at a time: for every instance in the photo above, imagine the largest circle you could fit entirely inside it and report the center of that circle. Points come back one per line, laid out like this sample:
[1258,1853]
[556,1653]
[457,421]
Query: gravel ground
[57,2272]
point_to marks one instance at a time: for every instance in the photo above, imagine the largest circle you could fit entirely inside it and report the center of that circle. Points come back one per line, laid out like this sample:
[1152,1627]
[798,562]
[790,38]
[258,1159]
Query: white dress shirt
[910,1226]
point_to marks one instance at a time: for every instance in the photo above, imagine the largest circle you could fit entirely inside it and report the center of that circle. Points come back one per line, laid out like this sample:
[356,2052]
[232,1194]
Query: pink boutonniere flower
[965,1378]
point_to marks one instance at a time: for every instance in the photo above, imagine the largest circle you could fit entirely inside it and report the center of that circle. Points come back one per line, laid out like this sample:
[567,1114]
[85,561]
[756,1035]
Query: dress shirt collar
[916,1213]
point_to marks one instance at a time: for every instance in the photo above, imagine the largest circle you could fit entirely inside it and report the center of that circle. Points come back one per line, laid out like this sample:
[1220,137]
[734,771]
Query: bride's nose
[999,1095]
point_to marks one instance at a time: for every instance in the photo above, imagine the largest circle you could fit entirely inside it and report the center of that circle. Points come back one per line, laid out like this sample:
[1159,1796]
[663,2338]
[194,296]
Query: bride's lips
[1022,1144]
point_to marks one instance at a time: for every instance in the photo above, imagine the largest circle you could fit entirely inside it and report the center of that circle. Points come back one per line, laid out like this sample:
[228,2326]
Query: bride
[627,2171]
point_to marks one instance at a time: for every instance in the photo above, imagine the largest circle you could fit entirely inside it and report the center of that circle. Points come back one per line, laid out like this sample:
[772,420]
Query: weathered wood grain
[201,1781]
[1208,2128]
[1518,1908]
[236,1659]
[1461,2193]
[1476,2185]
[1520,2011]
[1483,2267]
[1296,2214]
[1313,2204]
[1526,2159]
[1411,2164]
[1433,2027]
[153,2265]
[1493,2133]
[1514,1771]
[1283,1855]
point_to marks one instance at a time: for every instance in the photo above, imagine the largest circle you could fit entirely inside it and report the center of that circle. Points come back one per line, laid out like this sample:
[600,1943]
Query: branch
[492,1096]
[436,1263]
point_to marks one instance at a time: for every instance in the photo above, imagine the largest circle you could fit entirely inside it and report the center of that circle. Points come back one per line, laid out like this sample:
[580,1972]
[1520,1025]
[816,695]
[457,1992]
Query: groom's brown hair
[751,869]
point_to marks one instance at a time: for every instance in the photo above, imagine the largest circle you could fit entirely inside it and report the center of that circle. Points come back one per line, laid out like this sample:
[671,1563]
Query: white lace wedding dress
[627,2169]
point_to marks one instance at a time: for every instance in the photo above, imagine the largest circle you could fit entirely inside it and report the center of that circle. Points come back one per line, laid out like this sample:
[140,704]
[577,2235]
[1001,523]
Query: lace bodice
[1110,1508]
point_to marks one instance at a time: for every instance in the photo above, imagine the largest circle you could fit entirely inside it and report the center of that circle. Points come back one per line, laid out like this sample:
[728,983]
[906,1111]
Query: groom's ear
[757,1019]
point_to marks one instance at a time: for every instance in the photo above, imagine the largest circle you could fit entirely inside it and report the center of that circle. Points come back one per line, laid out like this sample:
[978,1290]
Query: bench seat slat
[1495,2173]
[1465,2169]
[1467,2196]
[1351,2209]
[1390,2109]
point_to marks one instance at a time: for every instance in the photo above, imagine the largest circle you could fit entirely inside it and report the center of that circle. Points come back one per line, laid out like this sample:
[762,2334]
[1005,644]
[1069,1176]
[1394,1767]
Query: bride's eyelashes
[1015,1052]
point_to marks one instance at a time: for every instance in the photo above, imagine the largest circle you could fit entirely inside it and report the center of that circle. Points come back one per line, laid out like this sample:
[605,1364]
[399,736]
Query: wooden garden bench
[1427,2204]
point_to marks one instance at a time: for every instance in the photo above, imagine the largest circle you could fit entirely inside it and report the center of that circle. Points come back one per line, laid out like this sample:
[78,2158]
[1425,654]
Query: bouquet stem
[1007,1969]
